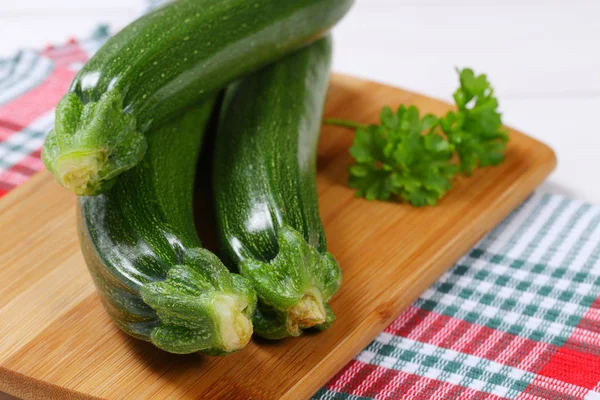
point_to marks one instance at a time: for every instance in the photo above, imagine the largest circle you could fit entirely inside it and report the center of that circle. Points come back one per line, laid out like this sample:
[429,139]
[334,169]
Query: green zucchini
[160,64]
[141,247]
[265,195]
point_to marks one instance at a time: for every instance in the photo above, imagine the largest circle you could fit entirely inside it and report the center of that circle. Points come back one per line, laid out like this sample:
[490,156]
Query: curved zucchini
[265,191]
[140,244]
[161,63]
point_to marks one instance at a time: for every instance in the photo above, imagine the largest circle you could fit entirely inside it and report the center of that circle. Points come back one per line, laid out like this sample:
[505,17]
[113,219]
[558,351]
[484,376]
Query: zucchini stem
[92,143]
[308,312]
[79,172]
[293,288]
[235,326]
[201,306]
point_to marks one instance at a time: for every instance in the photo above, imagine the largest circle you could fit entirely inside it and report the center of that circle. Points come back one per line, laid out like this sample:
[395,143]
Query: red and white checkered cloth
[518,317]
[31,84]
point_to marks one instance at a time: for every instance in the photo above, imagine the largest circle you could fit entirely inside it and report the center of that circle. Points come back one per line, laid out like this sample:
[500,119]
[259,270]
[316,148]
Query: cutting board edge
[21,386]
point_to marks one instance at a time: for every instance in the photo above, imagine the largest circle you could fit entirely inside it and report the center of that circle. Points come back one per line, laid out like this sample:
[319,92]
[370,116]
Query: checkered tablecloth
[518,317]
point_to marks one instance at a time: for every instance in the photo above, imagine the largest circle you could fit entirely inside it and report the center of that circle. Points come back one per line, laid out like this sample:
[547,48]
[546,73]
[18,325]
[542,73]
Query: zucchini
[141,247]
[161,63]
[265,195]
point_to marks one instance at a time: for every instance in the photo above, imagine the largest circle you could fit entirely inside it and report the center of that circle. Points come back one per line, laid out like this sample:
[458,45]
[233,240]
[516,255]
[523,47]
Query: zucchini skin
[140,244]
[265,194]
[161,63]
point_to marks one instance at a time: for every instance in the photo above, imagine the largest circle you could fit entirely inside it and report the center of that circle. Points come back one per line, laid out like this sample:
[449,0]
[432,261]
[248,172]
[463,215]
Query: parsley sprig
[476,128]
[412,157]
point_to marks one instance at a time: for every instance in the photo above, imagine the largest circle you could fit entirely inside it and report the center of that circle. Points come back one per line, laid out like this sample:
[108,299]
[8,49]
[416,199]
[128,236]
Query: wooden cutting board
[57,342]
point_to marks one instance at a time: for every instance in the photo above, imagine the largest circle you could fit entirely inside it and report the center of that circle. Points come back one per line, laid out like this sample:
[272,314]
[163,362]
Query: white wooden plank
[472,3]
[38,31]
[57,7]
[537,50]
[570,127]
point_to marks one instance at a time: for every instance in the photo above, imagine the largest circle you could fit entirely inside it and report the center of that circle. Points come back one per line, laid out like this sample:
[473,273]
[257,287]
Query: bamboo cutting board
[57,342]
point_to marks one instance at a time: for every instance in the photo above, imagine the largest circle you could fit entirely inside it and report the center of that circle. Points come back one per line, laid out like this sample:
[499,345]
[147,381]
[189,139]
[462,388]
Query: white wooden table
[543,57]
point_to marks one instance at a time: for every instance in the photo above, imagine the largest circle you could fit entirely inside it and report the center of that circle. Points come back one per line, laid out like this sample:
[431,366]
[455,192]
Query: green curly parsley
[412,158]
[475,129]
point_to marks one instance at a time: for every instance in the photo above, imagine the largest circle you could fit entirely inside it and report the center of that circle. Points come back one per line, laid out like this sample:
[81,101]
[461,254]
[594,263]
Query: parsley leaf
[402,157]
[475,129]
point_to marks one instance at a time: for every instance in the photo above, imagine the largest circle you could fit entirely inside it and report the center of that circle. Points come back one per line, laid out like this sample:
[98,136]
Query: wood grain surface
[56,341]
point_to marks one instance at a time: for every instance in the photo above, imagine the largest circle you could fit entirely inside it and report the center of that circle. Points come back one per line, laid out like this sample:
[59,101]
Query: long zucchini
[265,191]
[141,247]
[162,63]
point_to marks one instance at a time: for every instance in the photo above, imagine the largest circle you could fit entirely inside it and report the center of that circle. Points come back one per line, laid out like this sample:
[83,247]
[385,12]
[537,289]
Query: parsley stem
[344,123]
